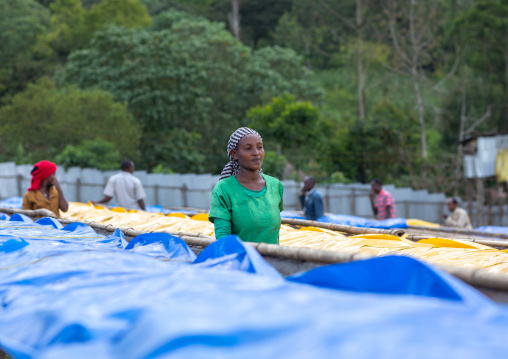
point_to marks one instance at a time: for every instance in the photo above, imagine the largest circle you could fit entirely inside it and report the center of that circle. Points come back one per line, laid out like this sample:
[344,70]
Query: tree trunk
[415,75]
[234,18]
[307,52]
[461,137]
[421,119]
[359,31]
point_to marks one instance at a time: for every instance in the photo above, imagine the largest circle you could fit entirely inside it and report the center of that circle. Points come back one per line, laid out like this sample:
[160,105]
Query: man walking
[126,188]
[459,217]
[383,206]
[312,203]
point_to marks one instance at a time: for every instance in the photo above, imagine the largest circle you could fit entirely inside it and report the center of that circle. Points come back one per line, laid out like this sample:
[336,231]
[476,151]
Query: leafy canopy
[188,82]
[73,26]
[293,125]
[21,21]
[44,119]
[97,153]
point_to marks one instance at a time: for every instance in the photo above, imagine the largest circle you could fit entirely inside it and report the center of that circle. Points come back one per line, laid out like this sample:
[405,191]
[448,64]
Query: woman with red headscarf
[45,191]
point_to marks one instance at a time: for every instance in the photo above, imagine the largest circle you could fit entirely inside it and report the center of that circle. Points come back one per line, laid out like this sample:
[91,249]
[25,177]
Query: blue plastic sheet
[493,229]
[70,293]
[12,202]
[291,214]
[159,209]
[362,222]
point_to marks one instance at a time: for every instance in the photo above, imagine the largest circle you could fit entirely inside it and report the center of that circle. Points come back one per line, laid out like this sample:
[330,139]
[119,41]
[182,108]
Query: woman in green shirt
[246,202]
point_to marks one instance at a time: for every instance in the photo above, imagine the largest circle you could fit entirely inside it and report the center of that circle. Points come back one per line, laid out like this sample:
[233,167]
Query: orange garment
[36,200]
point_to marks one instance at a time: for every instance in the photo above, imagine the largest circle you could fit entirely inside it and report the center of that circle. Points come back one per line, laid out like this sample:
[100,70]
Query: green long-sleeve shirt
[252,215]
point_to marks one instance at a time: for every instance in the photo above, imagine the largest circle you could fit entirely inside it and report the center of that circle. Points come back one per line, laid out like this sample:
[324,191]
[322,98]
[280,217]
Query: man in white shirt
[127,189]
[459,217]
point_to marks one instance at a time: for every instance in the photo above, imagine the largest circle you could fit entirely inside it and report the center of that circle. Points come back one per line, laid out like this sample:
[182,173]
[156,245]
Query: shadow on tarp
[70,293]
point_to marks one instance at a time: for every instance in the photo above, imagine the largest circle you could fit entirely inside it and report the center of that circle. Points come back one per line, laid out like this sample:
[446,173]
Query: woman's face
[249,152]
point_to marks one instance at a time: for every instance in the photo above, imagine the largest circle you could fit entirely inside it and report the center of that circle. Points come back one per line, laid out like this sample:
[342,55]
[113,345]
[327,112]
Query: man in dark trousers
[312,203]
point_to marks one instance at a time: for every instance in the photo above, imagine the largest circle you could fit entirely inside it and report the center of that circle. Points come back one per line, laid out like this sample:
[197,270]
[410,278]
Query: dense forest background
[345,90]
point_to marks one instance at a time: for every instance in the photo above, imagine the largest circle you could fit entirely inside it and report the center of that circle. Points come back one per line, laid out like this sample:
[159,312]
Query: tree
[259,18]
[383,146]
[96,153]
[21,21]
[294,126]
[412,27]
[73,26]
[186,76]
[484,29]
[44,119]
[357,25]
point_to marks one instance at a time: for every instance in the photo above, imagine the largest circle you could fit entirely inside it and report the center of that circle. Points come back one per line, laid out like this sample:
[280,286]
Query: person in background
[127,189]
[459,217]
[245,201]
[383,206]
[45,191]
[312,203]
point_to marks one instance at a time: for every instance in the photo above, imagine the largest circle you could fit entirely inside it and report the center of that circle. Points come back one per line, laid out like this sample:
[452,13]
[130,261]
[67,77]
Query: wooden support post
[490,199]
[156,194]
[353,202]
[184,195]
[78,190]
[19,178]
[480,200]
[469,192]
[327,198]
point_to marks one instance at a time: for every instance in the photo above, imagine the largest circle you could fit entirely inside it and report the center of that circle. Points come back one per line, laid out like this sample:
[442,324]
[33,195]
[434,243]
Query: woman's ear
[234,154]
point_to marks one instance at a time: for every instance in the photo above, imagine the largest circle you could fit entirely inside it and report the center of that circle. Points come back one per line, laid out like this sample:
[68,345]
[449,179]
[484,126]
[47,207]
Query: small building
[486,163]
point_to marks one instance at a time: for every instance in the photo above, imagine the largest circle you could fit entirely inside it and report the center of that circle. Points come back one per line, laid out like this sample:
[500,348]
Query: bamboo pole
[42,212]
[341,228]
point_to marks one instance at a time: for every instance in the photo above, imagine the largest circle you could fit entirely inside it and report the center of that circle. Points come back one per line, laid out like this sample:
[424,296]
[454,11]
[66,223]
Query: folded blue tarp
[71,293]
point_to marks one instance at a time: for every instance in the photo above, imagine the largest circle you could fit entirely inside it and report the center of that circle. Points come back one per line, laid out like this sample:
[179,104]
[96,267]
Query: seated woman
[246,202]
[45,191]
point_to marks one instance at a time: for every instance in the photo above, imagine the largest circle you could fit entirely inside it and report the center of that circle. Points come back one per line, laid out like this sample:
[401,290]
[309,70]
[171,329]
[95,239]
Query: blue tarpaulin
[71,293]
[493,229]
[362,222]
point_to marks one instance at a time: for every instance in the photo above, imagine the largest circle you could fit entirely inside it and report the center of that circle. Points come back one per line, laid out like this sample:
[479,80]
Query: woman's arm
[26,204]
[62,202]
[222,227]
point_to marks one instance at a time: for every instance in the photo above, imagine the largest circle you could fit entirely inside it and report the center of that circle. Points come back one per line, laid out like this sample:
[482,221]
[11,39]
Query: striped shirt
[384,200]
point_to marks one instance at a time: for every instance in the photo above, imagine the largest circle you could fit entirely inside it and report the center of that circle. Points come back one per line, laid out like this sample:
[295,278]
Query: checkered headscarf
[232,167]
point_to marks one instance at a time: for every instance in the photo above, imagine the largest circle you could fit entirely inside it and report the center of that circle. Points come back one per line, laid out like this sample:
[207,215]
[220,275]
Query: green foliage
[21,21]
[484,27]
[274,164]
[192,77]
[196,7]
[293,125]
[383,145]
[44,119]
[73,26]
[96,153]
[483,30]
[161,169]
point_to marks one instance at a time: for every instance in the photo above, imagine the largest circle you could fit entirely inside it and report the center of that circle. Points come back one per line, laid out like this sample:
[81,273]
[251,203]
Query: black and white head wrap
[233,167]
